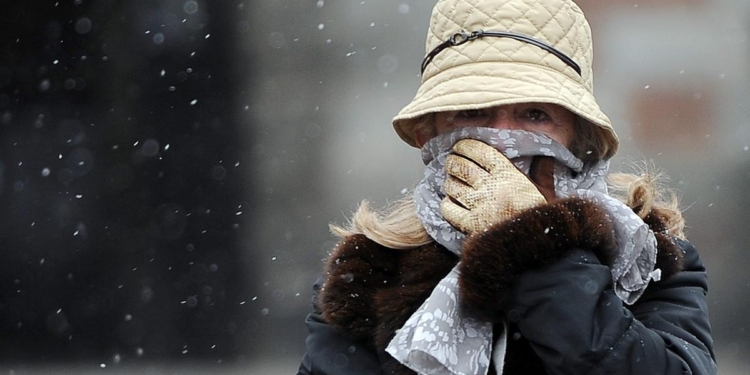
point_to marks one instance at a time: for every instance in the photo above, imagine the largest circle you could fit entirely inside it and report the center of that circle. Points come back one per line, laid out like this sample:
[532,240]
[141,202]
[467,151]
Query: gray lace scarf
[443,338]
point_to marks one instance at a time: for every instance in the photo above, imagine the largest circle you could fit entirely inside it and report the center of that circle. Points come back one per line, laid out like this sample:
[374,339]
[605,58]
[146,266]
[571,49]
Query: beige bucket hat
[485,53]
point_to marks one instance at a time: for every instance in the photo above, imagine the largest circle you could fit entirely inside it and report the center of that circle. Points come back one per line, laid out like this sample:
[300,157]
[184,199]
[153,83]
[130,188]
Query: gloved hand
[483,187]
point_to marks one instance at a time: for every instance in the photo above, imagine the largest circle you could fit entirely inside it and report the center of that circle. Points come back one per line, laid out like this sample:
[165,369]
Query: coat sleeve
[577,325]
[546,273]
[330,353]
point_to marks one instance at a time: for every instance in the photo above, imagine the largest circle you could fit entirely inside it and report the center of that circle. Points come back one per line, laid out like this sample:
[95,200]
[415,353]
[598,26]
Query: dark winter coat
[555,290]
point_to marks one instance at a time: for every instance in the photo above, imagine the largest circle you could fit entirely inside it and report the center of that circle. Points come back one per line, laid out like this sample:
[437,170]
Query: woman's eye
[469,113]
[537,115]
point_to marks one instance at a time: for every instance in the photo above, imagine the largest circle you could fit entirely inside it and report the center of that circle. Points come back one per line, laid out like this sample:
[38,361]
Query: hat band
[460,38]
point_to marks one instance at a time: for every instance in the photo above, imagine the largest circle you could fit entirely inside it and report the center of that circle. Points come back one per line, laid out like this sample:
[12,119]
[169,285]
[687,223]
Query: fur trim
[421,270]
[537,237]
[371,290]
[669,258]
[355,270]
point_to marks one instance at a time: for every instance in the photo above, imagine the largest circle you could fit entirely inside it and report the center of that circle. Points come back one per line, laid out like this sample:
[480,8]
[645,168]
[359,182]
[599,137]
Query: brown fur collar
[371,290]
[493,260]
[669,258]
[369,286]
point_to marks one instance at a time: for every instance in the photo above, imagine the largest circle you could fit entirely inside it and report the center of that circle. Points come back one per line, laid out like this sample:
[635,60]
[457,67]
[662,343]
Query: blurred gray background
[672,76]
[285,112]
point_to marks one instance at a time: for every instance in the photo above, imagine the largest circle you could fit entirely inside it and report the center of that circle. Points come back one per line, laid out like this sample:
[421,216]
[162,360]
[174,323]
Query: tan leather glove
[483,187]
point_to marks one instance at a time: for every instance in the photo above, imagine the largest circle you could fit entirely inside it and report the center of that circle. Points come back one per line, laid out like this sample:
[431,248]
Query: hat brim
[487,84]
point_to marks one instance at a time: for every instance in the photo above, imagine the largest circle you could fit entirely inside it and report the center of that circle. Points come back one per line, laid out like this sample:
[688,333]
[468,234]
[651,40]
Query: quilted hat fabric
[491,71]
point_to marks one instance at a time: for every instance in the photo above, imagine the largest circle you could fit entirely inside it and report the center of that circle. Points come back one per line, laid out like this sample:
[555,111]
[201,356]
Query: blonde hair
[396,227]
[646,192]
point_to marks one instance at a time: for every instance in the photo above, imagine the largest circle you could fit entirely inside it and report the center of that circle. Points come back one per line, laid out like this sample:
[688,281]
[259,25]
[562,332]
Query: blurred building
[122,194]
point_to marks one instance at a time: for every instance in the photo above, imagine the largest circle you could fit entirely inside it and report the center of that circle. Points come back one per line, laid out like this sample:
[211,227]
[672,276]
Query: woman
[511,257]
